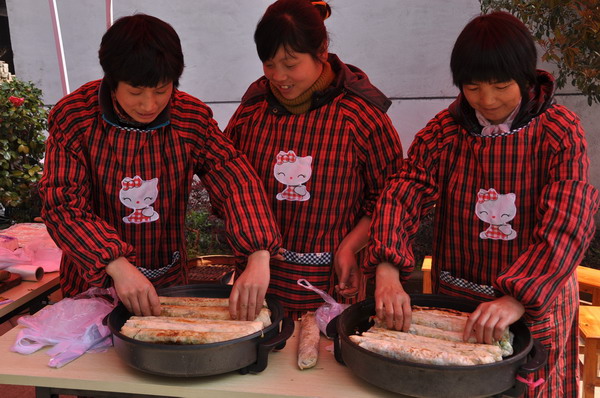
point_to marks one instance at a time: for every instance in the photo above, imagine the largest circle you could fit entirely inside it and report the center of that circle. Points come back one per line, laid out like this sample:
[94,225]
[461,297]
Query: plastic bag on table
[327,311]
[73,326]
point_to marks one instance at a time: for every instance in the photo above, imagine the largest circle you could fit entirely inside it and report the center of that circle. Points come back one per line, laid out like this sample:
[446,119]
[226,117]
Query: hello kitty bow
[286,157]
[129,183]
[484,196]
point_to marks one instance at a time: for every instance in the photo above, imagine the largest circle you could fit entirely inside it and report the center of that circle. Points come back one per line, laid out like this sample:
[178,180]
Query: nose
[148,103]
[278,75]
[487,98]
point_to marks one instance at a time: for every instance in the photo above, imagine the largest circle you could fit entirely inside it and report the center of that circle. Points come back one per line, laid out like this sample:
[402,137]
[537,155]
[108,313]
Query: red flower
[16,101]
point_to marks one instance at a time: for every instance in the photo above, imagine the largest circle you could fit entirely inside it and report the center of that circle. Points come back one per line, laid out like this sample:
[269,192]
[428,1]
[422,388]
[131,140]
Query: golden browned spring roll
[198,325]
[178,336]
[217,313]
[197,301]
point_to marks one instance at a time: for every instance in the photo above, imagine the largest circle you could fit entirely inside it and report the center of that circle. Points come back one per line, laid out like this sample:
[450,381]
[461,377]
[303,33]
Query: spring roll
[308,345]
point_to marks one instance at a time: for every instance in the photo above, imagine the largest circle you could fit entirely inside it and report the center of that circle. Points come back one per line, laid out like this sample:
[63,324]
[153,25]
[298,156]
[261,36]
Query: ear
[323,54]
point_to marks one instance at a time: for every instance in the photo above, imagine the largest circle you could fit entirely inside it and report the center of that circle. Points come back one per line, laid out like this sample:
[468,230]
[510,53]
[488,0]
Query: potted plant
[23,121]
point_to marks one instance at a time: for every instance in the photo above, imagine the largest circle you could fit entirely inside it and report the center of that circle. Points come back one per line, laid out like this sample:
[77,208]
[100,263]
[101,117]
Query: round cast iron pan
[245,354]
[423,380]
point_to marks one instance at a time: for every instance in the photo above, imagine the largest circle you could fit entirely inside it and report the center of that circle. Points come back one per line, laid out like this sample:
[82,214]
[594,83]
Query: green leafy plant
[23,118]
[568,32]
[204,232]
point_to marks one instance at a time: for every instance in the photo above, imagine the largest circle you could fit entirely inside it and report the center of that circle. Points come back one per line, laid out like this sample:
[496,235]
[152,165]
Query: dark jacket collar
[540,98]
[348,78]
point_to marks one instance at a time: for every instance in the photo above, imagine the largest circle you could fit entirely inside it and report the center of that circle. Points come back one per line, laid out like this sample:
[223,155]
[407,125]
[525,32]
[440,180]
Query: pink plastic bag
[327,311]
[73,326]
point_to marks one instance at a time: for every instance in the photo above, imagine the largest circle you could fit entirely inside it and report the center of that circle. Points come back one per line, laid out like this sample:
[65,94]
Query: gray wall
[403,45]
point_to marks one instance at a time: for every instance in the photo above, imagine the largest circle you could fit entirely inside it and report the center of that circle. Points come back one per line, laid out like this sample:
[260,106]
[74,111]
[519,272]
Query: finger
[469,326]
[242,307]
[135,306]
[480,326]
[499,330]
[127,305]
[393,316]
[252,310]
[488,331]
[145,307]
[379,310]
[407,315]
[154,302]
[344,276]
[233,302]
[348,292]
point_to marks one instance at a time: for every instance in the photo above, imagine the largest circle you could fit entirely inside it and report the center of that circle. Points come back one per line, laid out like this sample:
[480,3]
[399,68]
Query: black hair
[141,50]
[297,25]
[496,47]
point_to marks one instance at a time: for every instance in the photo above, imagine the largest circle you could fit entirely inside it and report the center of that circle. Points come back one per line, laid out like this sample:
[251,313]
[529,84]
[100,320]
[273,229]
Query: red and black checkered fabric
[545,164]
[86,161]
[353,146]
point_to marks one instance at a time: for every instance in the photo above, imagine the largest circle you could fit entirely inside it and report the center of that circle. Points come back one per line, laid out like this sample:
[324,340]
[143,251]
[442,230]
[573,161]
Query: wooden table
[28,294]
[106,372]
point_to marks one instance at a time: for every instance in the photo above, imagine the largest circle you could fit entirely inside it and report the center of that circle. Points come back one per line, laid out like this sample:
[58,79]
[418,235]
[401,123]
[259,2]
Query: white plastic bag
[73,326]
[327,311]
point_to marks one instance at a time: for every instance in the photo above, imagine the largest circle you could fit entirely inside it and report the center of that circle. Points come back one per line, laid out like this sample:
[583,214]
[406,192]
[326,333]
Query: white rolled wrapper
[28,272]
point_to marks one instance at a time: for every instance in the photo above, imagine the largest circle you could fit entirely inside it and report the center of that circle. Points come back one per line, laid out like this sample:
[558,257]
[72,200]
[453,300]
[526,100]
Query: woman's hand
[346,269]
[279,256]
[249,290]
[135,291]
[391,301]
[344,259]
[489,321]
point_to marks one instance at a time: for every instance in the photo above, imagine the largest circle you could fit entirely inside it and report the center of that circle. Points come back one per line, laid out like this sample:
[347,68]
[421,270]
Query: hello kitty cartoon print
[293,171]
[138,194]
[497,210]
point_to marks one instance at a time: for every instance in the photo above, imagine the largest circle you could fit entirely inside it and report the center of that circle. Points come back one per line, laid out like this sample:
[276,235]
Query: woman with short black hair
[506,169]
[120,160]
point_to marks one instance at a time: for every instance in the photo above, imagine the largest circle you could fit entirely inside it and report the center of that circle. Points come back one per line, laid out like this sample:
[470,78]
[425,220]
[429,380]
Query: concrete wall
[403,45]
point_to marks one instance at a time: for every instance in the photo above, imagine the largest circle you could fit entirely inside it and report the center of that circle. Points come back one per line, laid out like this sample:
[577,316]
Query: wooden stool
[589,330]
[426,268]
[589,282]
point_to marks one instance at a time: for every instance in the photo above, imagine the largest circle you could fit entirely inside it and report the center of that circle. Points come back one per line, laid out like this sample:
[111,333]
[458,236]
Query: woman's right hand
[135,291]
[392,303]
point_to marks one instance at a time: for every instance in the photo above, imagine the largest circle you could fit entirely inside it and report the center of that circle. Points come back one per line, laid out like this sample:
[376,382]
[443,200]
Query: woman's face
[143,104]
[293,73]
[494,100]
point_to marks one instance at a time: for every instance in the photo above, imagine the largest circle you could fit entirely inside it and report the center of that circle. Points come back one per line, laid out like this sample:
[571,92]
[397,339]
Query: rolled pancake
[217,313]
[198,325]
[198,301]
[485,353]
[308,344]
[178,336]
[447,325]
[410,351]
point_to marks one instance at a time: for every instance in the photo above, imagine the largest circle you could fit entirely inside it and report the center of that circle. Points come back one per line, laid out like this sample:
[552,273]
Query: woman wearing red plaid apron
[317,133]
[506,169]
[121,156]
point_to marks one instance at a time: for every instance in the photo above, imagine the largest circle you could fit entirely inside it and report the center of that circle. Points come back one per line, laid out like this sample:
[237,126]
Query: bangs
[147,71]
[486,65]
[289,36]
[494,48]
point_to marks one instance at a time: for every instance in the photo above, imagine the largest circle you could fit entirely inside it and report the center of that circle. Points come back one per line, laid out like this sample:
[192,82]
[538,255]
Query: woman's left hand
[346,269]
[489,321]
[249,290]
